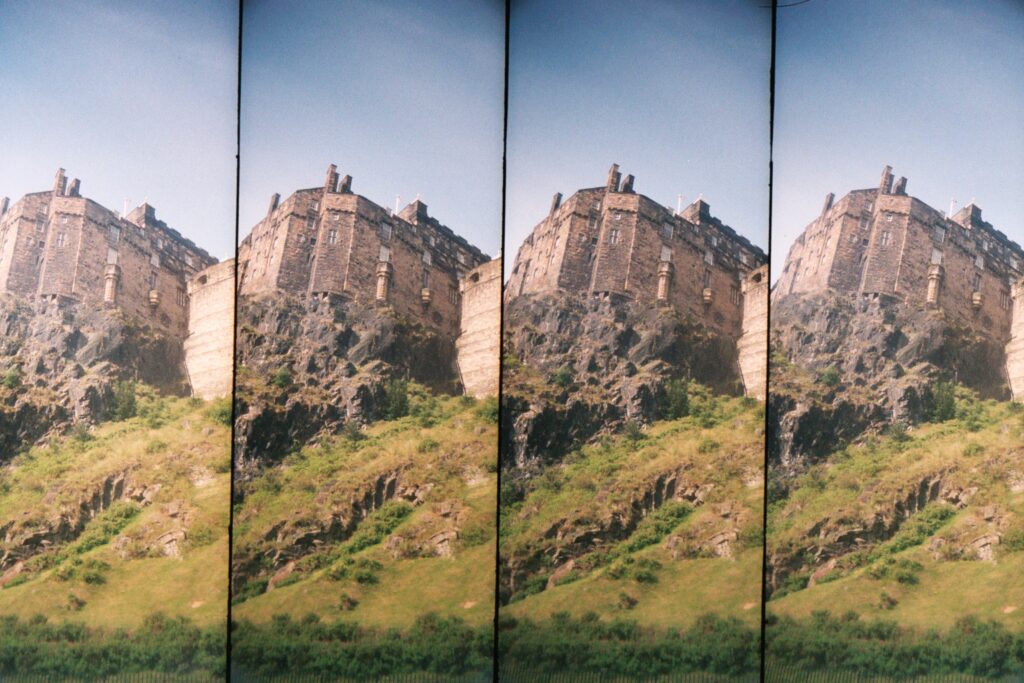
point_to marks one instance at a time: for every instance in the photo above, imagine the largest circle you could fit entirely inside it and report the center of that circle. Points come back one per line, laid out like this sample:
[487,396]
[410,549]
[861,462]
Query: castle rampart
[479,342]
[330,241]
[211,331]
[882,242]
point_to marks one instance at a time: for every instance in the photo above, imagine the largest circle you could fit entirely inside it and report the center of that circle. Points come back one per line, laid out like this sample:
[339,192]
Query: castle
[58,246]
[882,242]
[612,241]
[330,242]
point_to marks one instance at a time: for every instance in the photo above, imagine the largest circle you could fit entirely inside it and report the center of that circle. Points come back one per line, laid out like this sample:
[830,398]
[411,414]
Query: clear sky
[138,100]
[677,93]
[934,89]
[406,97]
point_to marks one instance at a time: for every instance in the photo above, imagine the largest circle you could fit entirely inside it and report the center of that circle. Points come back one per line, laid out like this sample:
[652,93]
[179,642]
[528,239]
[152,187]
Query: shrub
[395,403]
[707,445]
[829,377]
[124,406]
[219,411]
[633,431]
[489,410]
[677,399]
[940,402]
[563,377]
[428,445]
[12,378]
[282,379]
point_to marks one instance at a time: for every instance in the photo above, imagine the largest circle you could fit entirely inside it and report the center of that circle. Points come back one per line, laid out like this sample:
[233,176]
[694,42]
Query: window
[593,222]
[617,216]
[384,254]
[154,259]
[613,236]
[180,297]
[189,261]
[734,296]
[936,257]
[1004,300]
[940,234]
[431,240]
[460,257]
[64,220]
[385,232]
[888,218]
[425,282]
[112,256]
[871,205]
[332,237]
[310,222]
[976,283]
[60,239]
[707,278]
[709,257]
[666,254]
[714,241]
[886,235]
[314,205]
[426,258]
[667,230]
[979,261]
[863,222]
[597,205]
[453,295]
[335,216]
[745,258]
[301,238]
[151,280]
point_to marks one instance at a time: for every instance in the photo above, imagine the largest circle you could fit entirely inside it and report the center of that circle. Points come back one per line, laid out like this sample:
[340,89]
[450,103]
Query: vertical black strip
[234,338]
[501,346]
[764,502]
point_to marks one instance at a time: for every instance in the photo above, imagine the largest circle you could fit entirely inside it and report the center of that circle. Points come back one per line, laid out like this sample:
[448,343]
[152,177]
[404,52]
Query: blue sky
[675,92]
[138,100]
[934,89]
[406,97]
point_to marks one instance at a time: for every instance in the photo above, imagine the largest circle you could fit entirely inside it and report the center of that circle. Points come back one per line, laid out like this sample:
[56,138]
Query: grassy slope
[722,445]
[444,442]
[983,447]
[180,446]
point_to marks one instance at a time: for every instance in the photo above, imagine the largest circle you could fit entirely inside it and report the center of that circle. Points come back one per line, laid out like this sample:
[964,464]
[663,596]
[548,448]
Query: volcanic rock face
[584,366]
[61,362]
[842,365]
[305,369]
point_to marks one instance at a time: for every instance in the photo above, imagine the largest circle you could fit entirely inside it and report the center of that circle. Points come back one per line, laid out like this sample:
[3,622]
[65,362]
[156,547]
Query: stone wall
[611,240]
[331,241]
[209,347]
[753,345]
[479,342]
[1015,348]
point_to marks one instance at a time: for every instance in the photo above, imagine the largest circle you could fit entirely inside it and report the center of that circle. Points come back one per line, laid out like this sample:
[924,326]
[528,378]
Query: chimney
[556,202]
[274,200]
[73,188]
[696,211]
[59,182]
[885,184]
[4,203]
[612,184]
[331,180]
[345,187]
[627,184]
[414,212]
[829,198]
[900,187]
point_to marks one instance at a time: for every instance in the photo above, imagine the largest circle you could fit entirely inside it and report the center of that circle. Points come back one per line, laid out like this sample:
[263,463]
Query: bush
[489,410]
[829,377]
[428,445]
[106,525]
[395,403]
[940,402]
[707,445]
[219,411]
[124,406]
[12,378]
[282,379]
[563,377]
[677,399]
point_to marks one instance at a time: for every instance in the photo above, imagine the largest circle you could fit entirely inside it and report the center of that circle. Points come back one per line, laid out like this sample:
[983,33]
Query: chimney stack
[4,203]
[59,183]
[612,185]
[345,186]
[885,184]
[627,184]
[900,187]
[331,179]
[274,200]
[556,202]
[74,187]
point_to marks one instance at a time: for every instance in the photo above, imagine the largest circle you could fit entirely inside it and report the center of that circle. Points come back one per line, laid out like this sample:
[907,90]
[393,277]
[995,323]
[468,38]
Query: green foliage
[91,570]
[395,403]
[347,651]
[972,449]
[73,651]
[940,401]
[124,406]
[106,525]
[428,445]
[18,580]
[920,527]
[282,378]
[707,445]
[641,570]
[12,378]
[829,377]
[563,377]
[251,589]
[219,411]
[792,584]
[883,648]
[489,410]
[903,570]
[677,399]
[633,431]
[378,525]
[657,526]
[619,648]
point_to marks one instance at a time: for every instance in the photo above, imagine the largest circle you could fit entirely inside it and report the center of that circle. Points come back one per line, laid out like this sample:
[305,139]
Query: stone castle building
[211,331]
[612,241]
[60,246]
[328,241]
[882,242]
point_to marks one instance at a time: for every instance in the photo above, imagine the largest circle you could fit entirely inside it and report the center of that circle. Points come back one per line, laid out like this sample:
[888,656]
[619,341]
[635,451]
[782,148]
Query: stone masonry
[328,241]
[753,345]
[211,331]
[881,242]
[612,241]
[60,245]
[479,341]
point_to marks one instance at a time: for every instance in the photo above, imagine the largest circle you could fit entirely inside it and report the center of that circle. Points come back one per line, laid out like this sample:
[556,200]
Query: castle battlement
[60,245]
[611,240]
[330,241]
[884,242]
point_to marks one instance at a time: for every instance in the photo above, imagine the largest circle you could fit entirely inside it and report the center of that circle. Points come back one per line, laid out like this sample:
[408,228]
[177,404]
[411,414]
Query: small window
[310,222]
[64,220]
[384,254]
[666,254]
[335,216]
[888,218]
[667,230]
[734,296]
[886,235]
[1004,300]
[707,278]
[940,234]
[936,257]
[426,258]
[332,237]
[453,295]
[151,280]
[385,232]
[460,257]
[863,222]
[592,224]
[613,236]
[979,261]
[425,281]
[314,205]
[61,239]
[709,257]
[597,205]
[154,259]
[714,241]
[112,256]
[617,216]
[180,297]
[976,282]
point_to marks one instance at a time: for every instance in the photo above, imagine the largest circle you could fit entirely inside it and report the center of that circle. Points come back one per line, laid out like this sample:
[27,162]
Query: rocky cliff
[841,366]
[305,369]
[61,362]
[575,368]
